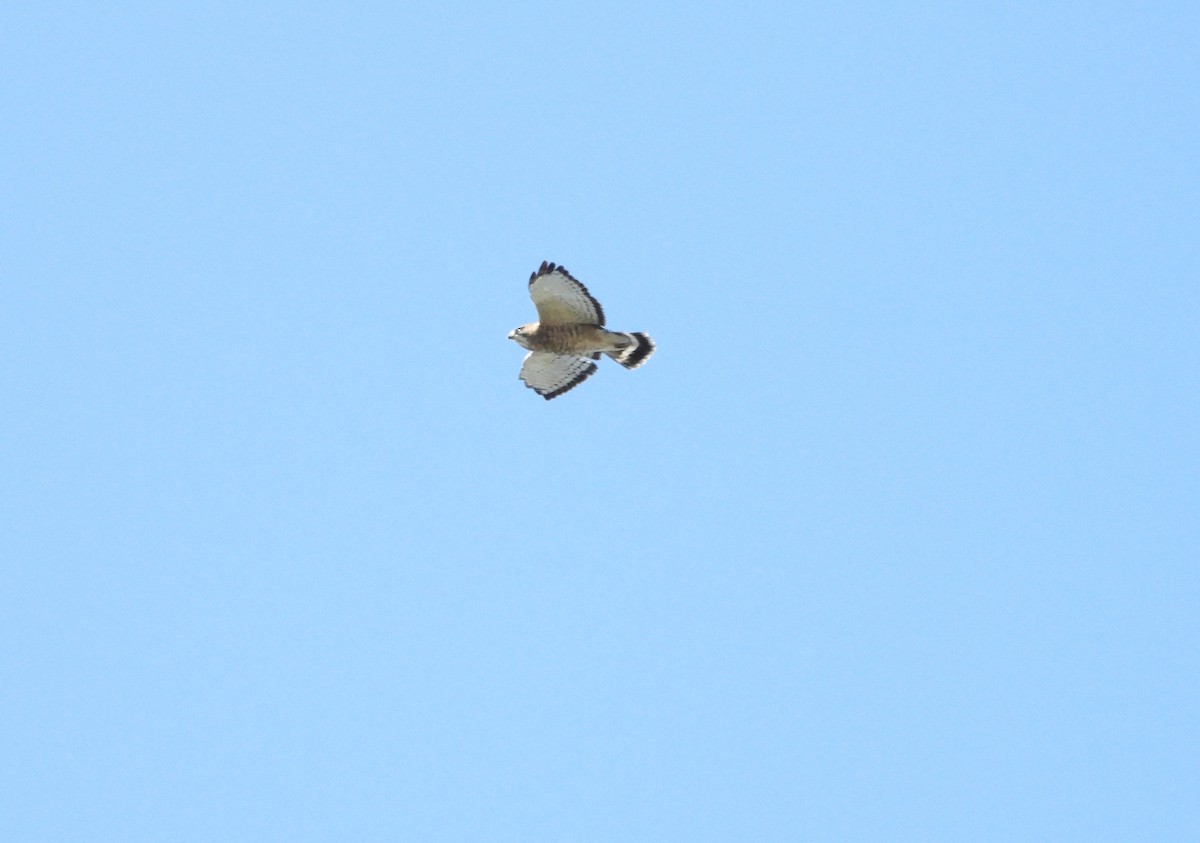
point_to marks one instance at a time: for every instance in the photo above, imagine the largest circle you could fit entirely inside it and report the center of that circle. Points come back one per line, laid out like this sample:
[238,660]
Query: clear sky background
[895,538]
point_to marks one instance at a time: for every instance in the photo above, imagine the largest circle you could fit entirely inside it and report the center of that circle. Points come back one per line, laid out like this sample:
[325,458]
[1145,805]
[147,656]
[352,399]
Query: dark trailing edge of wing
[549,267]
[583,375]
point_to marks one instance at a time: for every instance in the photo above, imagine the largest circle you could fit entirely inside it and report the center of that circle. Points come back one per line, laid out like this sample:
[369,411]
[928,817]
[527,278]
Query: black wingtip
[545,269]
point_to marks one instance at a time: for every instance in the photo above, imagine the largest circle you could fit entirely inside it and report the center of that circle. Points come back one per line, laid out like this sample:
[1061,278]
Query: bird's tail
[636,352]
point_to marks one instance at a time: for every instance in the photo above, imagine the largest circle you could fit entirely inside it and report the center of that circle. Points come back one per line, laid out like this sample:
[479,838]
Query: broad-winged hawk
[569,335]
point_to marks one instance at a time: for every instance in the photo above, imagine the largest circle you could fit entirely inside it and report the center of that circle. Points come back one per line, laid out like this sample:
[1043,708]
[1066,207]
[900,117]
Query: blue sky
[895,538]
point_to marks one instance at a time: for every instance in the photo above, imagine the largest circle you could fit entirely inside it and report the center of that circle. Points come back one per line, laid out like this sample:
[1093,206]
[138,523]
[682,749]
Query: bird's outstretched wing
[561,300]
[550,375]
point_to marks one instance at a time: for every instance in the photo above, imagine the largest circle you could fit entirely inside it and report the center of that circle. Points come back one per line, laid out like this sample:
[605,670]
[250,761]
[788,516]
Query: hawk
[569,335]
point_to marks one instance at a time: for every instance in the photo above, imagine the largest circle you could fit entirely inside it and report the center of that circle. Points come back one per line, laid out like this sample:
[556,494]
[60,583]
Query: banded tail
[634,354]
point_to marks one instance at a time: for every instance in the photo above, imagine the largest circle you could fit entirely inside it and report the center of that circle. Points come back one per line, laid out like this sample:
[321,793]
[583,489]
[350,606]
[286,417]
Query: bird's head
[521,336]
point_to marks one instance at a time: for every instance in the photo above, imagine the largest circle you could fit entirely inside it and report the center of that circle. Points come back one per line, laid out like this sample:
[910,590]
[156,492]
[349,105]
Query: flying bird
[570,335]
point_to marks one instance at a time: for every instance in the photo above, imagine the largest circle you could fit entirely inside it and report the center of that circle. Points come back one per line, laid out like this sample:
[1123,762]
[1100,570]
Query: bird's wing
[550,375]
[561,300]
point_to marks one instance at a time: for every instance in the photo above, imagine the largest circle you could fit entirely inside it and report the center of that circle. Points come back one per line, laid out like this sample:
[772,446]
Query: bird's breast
[571,339]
